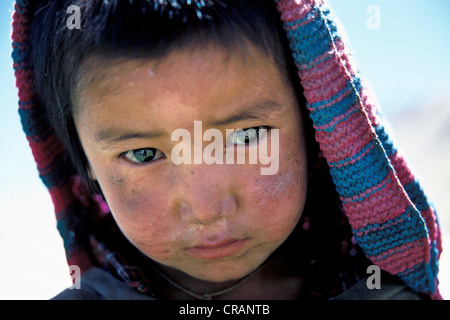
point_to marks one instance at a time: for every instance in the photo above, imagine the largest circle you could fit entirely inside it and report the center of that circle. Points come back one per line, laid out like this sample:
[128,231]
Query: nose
[204,199]
[204,212]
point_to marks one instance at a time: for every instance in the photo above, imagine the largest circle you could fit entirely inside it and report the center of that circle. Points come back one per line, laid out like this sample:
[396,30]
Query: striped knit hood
[390,216]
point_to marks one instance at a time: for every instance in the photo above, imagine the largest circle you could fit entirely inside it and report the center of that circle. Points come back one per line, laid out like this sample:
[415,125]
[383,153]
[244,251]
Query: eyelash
[231,140]
[131,154]
[234,136]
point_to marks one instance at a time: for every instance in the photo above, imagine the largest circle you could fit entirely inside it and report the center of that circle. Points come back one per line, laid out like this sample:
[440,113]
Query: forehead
[203,83]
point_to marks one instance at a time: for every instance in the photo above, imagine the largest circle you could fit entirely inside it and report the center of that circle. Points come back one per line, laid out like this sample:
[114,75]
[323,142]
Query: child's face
[214,222]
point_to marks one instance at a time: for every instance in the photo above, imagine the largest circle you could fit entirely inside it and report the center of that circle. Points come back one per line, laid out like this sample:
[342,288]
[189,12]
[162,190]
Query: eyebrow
[108,137]
[256,111]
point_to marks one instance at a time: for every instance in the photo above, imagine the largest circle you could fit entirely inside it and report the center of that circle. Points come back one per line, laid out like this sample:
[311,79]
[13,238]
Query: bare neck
[274,280]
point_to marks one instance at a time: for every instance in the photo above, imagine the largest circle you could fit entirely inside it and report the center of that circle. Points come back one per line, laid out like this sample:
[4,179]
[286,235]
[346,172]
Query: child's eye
[247,136]
[144,155]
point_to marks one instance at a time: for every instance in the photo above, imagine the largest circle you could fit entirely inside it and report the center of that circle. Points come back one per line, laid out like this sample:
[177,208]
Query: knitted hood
[390,216]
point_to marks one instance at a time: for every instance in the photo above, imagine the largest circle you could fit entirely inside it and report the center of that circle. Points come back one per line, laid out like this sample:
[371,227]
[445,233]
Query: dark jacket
[97,284]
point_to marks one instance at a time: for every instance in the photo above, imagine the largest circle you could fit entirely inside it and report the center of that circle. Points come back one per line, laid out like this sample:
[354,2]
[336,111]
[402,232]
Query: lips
[217,250]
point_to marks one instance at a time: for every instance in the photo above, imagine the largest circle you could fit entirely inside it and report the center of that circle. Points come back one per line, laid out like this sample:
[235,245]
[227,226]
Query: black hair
[136,29]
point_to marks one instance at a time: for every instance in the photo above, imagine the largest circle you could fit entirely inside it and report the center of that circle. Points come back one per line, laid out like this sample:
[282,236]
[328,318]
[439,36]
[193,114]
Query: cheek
[279,201]
[284,189]
[280,198]
[142,214]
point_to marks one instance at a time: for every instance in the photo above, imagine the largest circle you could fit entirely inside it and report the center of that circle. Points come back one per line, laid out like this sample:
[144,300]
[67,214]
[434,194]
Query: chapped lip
[216,250]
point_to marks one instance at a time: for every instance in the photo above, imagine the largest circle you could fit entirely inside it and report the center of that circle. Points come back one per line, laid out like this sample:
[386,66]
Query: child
[116,106]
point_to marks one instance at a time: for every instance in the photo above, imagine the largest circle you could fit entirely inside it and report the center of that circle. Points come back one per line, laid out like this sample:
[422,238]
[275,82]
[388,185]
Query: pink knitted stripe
[436,295]
[20,25]
[51,146]
[349,137]
[24,81]
[295,10]
[405,176]
[303,22]
[329,66]
[341,96]
[62,197]
[370,107]
[379,227]
[353,160]
[324,81]
[333,80]
[387,203]
[345,56]
[404,257]
[403,172]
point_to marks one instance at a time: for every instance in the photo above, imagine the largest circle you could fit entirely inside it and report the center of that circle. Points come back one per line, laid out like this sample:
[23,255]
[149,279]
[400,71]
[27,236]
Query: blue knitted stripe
[313,63]
[68,225]
[434,252]
[336,122]
[21,6]
[376,226]
[55,173]
[416,277]
[64,227]
[354,83]
[23,3]
[375,242]
[312,14]
[312,39]
[308,49]
[419,277]
[34,123]
[369,193]
[385,140]
[433,266]
[26,104]
[355,178]
[324,116]
[417,196]
[20,52]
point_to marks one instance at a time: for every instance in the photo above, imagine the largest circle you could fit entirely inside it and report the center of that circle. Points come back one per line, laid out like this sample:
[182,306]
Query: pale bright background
[405,61]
